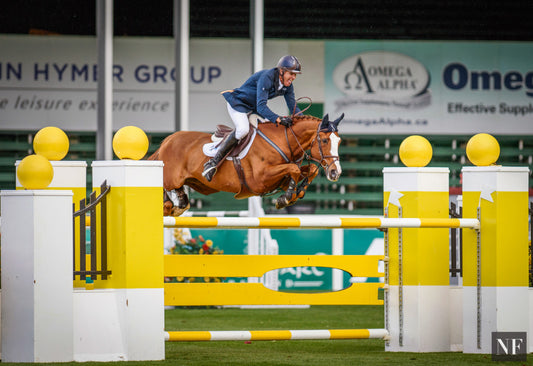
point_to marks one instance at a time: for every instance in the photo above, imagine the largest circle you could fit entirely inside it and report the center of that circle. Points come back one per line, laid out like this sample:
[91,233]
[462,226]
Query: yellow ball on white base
[416,151]
[35,172]
[51,142]
[130,142]
[483,149]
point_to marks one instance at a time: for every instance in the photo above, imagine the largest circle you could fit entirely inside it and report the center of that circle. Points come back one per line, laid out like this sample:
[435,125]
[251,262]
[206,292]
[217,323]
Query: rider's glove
[285,121]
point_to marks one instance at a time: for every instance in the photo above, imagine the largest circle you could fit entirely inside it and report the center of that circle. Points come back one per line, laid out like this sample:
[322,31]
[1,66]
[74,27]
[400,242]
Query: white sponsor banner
[405,87]
[52,80]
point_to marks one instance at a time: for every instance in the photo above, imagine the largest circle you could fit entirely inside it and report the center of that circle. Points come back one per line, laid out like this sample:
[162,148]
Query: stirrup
[209,172]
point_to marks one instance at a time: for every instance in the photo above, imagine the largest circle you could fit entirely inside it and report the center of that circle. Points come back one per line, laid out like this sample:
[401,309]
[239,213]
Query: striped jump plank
[318,222]
[275,335]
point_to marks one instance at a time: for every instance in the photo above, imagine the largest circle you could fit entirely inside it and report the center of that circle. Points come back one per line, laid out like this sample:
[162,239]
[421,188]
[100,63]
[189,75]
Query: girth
[276,147]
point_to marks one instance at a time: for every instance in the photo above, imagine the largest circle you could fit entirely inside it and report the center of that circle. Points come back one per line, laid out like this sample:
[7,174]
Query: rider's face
[287,78]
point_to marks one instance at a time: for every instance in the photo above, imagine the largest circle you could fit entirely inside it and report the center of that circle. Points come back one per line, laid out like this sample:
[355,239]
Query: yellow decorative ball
[483,149]
[35,172]
[51,142]
[130,142]
[415,151]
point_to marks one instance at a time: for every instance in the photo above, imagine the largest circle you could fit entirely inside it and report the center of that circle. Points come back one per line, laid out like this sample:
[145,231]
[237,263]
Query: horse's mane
[295,119]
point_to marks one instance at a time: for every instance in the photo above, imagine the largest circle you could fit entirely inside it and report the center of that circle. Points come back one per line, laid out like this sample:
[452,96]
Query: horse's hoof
[179,211]
[291,203]
[167,208]
[281,202]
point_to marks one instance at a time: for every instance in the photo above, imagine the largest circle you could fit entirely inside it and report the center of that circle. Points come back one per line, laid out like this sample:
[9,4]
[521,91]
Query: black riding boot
[210,168]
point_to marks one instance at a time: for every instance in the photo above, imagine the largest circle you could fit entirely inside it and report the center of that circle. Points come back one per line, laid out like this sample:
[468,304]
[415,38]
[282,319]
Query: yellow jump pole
[417,301]
[274,335]
[495,264]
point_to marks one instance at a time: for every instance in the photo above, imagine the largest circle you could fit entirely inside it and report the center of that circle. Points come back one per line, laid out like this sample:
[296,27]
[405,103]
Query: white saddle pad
[210,149]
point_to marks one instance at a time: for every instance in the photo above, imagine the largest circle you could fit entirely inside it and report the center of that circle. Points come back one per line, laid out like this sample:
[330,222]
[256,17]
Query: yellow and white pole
[132,327]
[417,312]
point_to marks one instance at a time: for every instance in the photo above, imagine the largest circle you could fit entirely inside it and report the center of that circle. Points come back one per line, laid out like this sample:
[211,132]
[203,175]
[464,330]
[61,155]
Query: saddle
[222,131]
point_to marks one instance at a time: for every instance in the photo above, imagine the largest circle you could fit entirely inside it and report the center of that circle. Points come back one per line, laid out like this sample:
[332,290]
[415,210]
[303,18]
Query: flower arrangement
[184,243]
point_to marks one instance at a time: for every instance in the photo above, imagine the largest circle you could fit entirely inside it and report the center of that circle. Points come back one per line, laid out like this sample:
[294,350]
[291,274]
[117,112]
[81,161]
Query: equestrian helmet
[290,63]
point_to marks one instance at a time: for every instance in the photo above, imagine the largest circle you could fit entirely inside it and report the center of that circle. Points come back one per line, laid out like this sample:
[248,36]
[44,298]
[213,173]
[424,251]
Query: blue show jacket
[253,95]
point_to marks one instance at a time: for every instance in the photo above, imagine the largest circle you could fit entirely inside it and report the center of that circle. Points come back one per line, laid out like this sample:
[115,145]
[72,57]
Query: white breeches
[240,120]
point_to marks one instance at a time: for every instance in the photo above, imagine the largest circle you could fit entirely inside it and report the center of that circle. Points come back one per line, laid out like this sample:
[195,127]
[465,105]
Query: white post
[37,303]
[337,248]
[104,31]
[181,62]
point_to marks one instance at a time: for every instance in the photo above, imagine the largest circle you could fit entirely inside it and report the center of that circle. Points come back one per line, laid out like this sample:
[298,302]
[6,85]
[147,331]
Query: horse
[273,162]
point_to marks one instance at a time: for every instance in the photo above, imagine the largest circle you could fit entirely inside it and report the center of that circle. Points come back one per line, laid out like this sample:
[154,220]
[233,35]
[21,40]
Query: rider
[252,96]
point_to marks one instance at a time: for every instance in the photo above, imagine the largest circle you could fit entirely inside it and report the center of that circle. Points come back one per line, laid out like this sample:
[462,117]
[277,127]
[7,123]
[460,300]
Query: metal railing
[96,251]
[456,243]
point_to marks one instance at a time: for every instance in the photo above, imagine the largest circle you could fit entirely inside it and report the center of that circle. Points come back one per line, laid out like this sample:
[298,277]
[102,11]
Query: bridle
[322,161]
[309,157]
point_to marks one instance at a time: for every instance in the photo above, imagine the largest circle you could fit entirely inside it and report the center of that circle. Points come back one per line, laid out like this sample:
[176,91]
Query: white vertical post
[254,203]
[104,33]
[181,61]
[337,248]
[37,300]
[257,33]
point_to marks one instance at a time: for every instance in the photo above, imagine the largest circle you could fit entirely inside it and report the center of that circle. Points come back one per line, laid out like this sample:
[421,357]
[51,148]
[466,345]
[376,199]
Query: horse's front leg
[289,197]
[274,174]
[176,202]
[309,172]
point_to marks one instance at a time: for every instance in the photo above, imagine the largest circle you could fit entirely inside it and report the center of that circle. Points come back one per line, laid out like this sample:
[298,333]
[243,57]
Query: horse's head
[326,151]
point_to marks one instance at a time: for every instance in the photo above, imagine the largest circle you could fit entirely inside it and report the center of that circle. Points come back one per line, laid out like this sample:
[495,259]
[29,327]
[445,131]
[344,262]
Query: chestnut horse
[274,161]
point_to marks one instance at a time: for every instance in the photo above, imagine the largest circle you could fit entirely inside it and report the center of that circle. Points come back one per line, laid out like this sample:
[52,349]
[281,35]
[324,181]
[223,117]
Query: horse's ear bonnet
[327,126]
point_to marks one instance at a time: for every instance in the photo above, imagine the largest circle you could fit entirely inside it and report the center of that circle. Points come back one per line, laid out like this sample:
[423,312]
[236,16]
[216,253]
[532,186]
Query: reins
[305,155]
[296,104]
